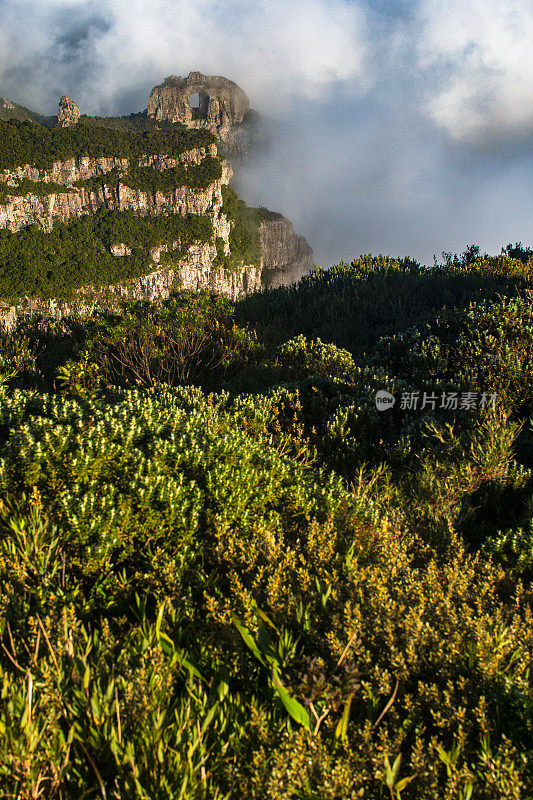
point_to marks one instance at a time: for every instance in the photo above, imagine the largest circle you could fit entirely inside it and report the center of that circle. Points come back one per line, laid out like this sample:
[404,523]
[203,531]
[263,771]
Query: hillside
[225,573]
[10,110]
[131,203]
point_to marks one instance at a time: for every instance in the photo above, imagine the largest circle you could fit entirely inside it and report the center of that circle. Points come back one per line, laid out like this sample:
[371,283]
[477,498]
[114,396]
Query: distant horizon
[405,129]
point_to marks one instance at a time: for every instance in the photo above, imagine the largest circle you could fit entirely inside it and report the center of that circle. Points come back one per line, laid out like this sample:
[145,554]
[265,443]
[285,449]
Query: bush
[272,616]
[275,591]
[189,337]
[354,305]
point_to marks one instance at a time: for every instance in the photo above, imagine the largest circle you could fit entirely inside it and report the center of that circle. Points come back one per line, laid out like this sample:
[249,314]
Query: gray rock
[68,113]
[222,104]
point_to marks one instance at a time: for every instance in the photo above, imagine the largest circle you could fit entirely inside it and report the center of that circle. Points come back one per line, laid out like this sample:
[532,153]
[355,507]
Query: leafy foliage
[152,180]
[276,590]
[77,253]
[186,338]
[353,305]
[25,186]
[244,239]
[27,143]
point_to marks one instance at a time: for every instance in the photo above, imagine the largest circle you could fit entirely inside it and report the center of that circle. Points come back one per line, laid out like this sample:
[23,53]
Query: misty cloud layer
[400,127]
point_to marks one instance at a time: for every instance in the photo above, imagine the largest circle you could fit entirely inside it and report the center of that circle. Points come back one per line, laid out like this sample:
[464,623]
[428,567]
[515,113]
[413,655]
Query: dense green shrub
[197,506]
[277,591]
[137,122]
[27,143]
[353,305]
[196,176]
[77,253]
[152,180]
[25,186]
[244,239]
[488,347]
[188,338]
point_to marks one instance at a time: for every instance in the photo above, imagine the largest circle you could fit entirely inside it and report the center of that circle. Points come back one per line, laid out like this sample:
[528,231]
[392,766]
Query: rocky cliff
[137,179]
[285,255]
[195,273]
[68,199]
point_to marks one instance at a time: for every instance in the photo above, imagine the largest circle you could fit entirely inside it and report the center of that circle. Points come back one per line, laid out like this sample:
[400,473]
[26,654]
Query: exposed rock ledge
[19,211]
[194,274]
[286,256]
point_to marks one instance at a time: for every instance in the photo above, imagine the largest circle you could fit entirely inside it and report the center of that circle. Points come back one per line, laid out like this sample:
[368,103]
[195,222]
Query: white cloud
[480,53]
[275,49]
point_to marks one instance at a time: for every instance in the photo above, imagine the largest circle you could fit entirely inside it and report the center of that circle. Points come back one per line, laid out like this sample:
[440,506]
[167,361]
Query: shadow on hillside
[354,305]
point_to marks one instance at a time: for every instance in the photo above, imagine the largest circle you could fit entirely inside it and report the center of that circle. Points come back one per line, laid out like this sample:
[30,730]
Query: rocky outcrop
[195,273]
[223,108]
[285,255]
[68,113]
[120,249]
[44,210]
[222,105]
[83,168]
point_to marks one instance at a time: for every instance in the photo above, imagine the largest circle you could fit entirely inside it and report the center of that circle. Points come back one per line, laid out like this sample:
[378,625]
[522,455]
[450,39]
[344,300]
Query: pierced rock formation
[221,104]
[68,114]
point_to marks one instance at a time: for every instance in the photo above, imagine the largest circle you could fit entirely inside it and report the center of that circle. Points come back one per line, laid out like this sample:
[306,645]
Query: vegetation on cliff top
[27,143]
[276,590]
[25,186]
[138,122]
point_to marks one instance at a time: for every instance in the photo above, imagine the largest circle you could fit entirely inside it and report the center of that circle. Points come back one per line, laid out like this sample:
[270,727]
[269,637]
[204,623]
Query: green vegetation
[194,176]
[144,179]
[77,254]
[152,180]
[339,305]
[27,143]
[270,216]
[260,586]
[137,122]
[25,186]
[244,239]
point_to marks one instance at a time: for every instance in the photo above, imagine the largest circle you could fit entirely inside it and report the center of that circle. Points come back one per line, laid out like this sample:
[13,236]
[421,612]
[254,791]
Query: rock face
[222,108]
[68,113]
[285,255]
[44,210]
[222,105]
[196,273]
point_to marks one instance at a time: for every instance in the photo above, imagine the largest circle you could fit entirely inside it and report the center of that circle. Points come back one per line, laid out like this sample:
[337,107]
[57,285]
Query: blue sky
[398,127]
